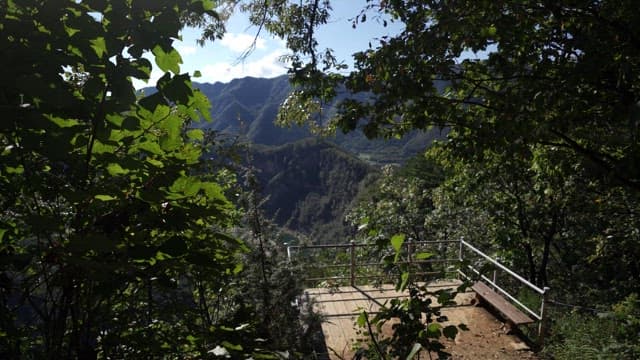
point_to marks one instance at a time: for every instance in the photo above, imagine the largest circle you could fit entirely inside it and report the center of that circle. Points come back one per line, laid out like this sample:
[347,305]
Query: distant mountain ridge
[310,183]
[249,106]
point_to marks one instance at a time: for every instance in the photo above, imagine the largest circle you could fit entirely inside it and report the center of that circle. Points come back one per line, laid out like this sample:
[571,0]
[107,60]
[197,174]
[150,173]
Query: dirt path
[485,339]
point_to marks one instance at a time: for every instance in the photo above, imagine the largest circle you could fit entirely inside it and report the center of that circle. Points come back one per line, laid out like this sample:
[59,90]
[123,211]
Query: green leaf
[397,241]
[362,319]
[151,147]
[167,61]
[63,123]
[105,197]
[187,185]
[197,74]
[154,162]
[404,281]
[416,348]
[99,46]
[70,31]
[423,255]
[433,330]
[238,268]
[115,169]
[14,170]
[202,104]
[208,5]
[195,134]
[2,231]
[161,112]
[213,191]
[230,346]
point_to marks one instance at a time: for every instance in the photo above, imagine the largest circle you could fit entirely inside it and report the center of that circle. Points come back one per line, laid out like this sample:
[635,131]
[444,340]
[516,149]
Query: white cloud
[186,50]
[266,67]
[238,43]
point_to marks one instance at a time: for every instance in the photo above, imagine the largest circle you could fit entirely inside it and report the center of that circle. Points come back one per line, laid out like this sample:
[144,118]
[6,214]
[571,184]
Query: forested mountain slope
[310,185]
[249,106]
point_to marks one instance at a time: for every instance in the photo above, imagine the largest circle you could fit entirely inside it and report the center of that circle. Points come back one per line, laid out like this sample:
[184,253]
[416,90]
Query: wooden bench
[513,316]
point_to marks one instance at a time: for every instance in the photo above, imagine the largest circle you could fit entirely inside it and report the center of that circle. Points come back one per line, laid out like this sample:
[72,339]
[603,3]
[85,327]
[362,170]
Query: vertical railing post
[353,263]
[409,249]
[542,327]
[494,278]
[460,260]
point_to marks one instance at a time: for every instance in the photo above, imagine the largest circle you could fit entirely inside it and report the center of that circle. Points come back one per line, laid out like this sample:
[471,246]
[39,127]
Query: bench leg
[477,300]
[509,327]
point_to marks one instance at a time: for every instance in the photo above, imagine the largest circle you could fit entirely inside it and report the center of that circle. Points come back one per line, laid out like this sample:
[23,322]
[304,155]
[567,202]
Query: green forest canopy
[544,127]
[114,228]
[542,158]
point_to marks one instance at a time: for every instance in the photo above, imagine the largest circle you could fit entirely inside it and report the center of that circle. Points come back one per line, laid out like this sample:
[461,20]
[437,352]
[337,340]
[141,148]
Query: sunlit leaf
[99,45]
[195,134]
[115,169]
[396,242]
[433,330]
[105,197]
[167,61]
[423,255]
[362,319]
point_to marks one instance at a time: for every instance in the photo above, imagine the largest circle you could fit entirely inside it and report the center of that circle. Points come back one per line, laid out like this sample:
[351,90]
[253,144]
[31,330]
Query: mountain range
[249,106]
[309,182]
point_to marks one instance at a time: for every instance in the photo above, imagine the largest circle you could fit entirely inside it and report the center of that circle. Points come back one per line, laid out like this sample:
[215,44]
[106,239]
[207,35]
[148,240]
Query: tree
[394,213]
[551,96]
[541,100]
[552,73]
[111,232]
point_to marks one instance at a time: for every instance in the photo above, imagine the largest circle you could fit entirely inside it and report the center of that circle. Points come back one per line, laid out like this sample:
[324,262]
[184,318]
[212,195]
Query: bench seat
[512,314]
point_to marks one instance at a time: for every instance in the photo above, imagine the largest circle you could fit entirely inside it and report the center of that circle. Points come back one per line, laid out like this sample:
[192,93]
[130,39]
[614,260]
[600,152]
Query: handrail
[540,316]
[526,308]
[333,246]
[504,268]
[411,247]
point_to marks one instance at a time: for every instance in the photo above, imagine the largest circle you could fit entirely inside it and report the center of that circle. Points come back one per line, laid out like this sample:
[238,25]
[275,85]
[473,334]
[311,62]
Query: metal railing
[462,266]
[410,248]
[543,293]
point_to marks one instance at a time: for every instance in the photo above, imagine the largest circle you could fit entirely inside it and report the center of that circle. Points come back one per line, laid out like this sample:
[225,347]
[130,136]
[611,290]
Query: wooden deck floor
[341,307]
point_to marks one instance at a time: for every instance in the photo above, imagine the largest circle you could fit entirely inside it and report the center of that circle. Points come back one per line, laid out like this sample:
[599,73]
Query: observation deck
[344,283]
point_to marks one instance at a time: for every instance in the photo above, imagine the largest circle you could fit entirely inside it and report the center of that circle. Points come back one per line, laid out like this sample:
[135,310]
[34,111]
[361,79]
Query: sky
[219,61]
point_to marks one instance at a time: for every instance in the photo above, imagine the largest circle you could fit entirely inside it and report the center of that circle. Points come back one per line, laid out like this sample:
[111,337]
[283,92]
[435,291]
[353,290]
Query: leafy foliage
[416,324]
[393,217]
[113,228]
[611,334]
[541,102]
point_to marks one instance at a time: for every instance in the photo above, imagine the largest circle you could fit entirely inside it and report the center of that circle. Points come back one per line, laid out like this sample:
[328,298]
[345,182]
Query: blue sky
[218,61]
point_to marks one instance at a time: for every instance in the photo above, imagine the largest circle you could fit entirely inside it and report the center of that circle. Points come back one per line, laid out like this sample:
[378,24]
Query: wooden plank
[341,308]
[510,312]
